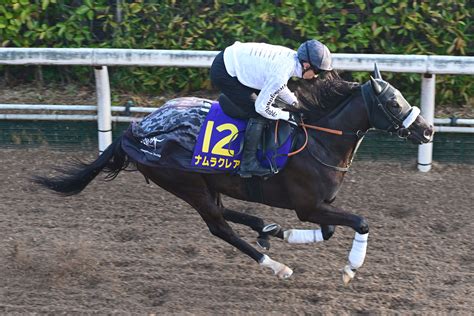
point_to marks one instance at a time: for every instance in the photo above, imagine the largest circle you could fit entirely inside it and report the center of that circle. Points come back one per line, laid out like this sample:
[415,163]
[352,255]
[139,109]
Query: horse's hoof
[347,275]
[284,273]
[263,243]
[272,230]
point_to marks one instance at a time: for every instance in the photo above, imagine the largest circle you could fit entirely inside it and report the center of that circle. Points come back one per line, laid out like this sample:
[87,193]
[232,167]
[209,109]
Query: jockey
[252,75]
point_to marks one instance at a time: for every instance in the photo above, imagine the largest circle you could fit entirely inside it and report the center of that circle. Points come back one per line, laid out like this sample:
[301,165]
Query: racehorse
[337,114]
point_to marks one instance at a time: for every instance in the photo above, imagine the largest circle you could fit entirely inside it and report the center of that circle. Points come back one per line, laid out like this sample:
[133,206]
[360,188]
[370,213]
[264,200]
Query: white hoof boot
[347,275]
[279,269]
[284,273]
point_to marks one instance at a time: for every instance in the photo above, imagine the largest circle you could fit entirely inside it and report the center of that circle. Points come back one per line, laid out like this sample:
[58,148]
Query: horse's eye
[393,103]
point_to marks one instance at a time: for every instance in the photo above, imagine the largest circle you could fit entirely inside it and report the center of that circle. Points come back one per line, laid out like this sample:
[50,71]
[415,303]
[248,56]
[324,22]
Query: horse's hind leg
[192,188]
[255,223]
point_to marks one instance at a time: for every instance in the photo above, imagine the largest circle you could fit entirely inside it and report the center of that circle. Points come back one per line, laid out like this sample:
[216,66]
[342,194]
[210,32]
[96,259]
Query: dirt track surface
[130,247]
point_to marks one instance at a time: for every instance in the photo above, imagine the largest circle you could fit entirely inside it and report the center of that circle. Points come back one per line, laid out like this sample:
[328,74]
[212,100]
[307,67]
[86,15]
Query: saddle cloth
[194,134]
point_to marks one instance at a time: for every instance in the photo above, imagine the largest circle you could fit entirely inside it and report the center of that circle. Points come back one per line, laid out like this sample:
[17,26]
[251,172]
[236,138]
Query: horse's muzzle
[403,133]
[427,136]
[417,137]
[428,133]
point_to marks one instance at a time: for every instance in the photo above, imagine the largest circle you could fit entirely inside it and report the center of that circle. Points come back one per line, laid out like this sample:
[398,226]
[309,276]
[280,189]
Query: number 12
[218,148]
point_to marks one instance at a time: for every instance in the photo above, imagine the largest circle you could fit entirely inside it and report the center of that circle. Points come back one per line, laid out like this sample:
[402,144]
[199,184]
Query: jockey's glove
[296,118]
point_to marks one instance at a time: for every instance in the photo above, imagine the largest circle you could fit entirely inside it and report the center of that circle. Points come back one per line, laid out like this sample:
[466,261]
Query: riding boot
[250,165]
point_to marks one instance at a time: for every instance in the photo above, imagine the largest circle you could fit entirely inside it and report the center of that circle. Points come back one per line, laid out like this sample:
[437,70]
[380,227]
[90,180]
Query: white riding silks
[266,68]
[302,236]
[358,250]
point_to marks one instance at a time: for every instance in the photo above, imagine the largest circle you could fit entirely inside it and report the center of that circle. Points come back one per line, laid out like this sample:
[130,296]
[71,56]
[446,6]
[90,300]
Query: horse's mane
[317,97]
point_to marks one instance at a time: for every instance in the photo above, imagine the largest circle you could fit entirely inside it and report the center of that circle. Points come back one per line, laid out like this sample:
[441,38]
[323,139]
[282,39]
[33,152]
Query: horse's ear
[375,85]
[377,74]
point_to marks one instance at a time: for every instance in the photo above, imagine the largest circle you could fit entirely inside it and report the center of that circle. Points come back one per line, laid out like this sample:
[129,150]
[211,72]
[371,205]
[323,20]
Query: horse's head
[389,111]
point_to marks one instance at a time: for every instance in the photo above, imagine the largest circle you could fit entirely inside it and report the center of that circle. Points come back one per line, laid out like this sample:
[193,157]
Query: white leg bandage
[302,236]
[358,250]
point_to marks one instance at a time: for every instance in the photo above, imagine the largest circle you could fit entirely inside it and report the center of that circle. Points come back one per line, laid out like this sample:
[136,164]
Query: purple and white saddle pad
[194,134]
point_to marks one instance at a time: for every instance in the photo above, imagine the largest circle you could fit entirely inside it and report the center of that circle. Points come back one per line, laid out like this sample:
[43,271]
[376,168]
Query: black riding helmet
[316,54]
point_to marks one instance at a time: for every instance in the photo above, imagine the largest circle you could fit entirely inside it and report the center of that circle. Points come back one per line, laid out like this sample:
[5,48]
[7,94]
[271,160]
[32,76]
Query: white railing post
[425,151]
[104,112]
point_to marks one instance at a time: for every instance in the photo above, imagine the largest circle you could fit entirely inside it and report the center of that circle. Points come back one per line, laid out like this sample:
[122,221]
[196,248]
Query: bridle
[375,104]
[376,99]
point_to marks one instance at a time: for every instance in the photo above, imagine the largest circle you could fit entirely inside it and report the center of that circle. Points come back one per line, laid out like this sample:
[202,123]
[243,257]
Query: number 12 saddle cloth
[194,134]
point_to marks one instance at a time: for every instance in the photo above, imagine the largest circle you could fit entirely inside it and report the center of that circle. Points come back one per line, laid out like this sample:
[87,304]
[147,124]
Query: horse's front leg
[328,215]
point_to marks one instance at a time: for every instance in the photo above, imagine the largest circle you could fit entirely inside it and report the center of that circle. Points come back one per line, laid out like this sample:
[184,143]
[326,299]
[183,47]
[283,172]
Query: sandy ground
[130,247]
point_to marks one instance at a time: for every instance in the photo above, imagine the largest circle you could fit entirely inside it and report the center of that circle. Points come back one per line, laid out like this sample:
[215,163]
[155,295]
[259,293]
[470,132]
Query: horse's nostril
[428,133]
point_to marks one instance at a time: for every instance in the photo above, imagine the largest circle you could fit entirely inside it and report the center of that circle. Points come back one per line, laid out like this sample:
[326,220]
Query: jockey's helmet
[316,54]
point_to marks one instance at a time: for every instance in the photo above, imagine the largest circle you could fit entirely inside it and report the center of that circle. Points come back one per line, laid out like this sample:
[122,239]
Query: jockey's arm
[266,98]
[287,96]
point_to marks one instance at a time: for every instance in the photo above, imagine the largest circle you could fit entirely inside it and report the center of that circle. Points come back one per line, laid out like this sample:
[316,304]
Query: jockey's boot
[250,165]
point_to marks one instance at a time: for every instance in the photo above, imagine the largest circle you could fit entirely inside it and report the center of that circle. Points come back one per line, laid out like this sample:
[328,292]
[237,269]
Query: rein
[314,127]
[330,131]
[323,129]
[359,134]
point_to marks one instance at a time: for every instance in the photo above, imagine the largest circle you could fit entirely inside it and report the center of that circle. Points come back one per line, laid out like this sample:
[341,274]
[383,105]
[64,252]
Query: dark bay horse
[308,184]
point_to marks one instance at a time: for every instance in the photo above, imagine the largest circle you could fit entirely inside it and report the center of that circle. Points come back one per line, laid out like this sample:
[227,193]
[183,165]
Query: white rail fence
[427,66]
[451,122]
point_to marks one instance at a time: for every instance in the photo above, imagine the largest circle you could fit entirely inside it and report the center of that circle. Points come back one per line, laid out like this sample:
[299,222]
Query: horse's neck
[350,116]
[352,119]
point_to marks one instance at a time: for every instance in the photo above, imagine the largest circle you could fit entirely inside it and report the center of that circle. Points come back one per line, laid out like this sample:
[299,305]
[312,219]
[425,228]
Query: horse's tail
[78,175]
